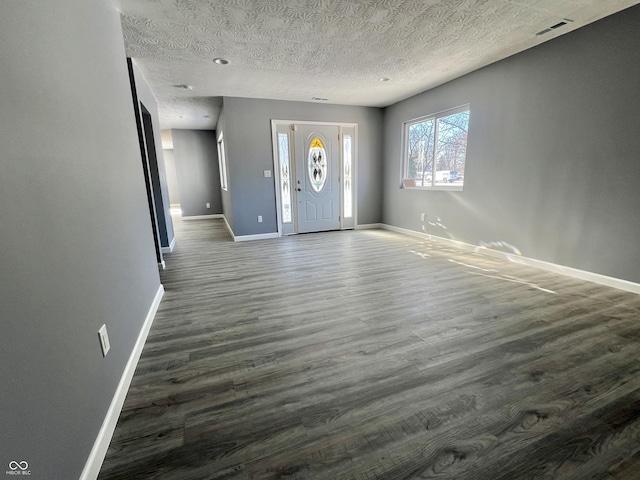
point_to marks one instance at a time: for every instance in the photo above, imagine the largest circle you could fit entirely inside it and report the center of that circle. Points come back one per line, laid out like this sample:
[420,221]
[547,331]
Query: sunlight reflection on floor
[480,271]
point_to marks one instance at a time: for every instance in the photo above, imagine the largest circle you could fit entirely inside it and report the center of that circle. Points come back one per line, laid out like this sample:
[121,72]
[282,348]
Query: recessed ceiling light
[221,61]
[184,87]
[384,79]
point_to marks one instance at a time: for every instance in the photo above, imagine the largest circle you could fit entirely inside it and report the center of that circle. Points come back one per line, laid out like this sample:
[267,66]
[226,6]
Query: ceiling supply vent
[564,22]
[557,25]
[319,99]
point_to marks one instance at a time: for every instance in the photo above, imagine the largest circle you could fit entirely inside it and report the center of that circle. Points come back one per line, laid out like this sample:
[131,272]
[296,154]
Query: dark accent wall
[195,154]
[154,174]
[553,159]
[249,147]
[76,245]
[158,177]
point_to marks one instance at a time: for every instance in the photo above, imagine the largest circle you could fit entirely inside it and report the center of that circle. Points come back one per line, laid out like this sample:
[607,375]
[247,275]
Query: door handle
[299,189]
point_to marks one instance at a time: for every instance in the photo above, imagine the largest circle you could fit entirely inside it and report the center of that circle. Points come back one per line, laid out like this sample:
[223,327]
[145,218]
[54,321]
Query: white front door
[317,186]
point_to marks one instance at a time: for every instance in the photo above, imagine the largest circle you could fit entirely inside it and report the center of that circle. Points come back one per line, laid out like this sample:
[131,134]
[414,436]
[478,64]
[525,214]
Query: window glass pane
[222,162]
[347,160]
[420,144]
[285,177]
[452,147]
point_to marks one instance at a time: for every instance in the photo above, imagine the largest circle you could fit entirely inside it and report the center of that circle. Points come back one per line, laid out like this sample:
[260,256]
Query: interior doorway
[314,165]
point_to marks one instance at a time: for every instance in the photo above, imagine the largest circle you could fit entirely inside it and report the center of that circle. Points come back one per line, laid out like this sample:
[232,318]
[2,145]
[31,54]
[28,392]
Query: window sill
[442,188]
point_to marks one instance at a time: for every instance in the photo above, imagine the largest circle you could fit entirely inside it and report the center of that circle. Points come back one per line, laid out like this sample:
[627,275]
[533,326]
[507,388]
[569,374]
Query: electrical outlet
[423,216]
[208,205]
[259,218]
[104,340]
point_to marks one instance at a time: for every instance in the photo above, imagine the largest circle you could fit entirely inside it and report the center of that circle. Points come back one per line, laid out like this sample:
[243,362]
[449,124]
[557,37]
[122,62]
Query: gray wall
[172,177]
[247,135]
[195,154]
[553,159]
[146,97]
[76,246]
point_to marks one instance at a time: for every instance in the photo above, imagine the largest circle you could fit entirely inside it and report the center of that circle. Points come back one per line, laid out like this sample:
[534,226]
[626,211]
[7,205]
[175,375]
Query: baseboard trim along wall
[229,229]
[369,226]
[203,217]
[259,236]
[247,238]
[99,450]
[618,283]
[171,246]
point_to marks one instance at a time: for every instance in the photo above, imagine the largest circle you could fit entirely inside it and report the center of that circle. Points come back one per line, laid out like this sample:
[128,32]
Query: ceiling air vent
[553,27]
[557,25]
[319,99]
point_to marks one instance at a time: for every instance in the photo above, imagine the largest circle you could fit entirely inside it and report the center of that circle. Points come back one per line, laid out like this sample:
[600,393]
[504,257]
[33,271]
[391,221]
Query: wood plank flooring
[371,355]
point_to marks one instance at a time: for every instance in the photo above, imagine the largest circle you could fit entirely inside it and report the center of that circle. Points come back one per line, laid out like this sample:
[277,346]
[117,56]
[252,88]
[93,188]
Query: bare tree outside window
[420,151]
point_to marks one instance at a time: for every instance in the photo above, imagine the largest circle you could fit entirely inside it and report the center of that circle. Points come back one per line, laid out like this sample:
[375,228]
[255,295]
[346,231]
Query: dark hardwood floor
[371,355]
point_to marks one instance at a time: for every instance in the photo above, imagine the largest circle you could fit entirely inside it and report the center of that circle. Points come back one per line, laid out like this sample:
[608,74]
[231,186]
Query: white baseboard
[369,226]
[171,246]
[203,217]
[229,228]
[618,283]
[247,238]
[100,446]
[413,233]
[258,236]
[162,265]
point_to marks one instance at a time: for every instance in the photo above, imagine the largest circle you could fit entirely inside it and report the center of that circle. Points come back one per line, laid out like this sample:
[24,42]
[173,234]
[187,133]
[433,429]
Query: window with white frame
[435,150]
[222,162]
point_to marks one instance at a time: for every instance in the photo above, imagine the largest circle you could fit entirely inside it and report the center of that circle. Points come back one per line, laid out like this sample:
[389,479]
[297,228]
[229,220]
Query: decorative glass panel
[285,177]
[346,159]
[317,166]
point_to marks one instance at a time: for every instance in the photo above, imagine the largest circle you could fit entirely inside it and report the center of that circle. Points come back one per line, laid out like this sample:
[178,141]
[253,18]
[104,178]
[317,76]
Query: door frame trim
[276,166]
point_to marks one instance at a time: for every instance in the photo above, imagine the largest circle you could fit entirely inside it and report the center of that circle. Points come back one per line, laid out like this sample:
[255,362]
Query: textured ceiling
[336,50]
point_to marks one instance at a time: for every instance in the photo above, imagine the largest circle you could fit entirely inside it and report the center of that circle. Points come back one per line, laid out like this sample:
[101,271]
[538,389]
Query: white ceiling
[332,49]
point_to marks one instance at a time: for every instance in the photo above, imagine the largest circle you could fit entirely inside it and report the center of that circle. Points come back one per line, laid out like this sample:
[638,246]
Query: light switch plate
[267,174]
[104,340]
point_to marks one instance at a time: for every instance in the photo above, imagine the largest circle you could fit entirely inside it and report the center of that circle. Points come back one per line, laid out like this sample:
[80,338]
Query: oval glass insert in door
[317,165]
